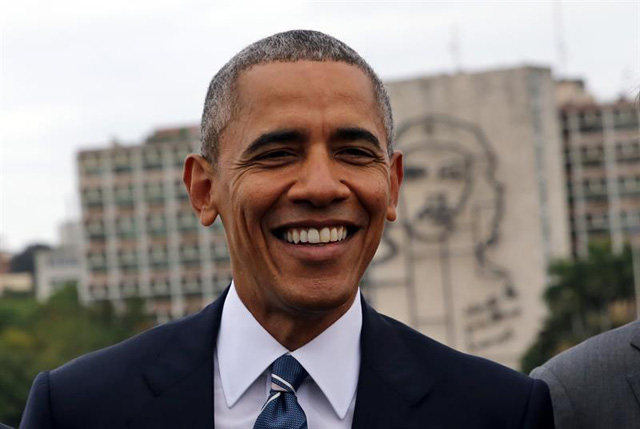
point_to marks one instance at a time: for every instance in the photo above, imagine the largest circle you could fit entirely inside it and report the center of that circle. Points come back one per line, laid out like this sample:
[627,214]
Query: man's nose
[319,181]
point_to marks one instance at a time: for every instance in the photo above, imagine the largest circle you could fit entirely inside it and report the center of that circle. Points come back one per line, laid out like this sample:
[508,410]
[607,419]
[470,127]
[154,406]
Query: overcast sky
[76,74]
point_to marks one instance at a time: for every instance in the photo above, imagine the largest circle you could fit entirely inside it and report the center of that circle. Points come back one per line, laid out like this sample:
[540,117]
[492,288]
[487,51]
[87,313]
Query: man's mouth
[317,236]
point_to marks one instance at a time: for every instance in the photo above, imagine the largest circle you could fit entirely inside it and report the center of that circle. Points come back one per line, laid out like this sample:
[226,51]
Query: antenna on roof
[454,49]
[561,47]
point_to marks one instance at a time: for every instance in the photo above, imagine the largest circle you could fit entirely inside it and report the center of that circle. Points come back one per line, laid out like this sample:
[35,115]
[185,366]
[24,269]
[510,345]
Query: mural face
[438,179]
[448,225]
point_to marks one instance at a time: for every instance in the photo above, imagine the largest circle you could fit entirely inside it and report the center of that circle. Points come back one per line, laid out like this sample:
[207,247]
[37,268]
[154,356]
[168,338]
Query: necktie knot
[282,410]
[287,374]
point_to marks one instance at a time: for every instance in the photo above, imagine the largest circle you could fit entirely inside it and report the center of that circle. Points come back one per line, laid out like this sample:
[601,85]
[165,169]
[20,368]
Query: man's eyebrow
[356,133]
[277,136]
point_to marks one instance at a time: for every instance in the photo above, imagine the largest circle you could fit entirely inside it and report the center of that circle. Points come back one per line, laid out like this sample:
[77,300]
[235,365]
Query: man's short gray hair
[290,46]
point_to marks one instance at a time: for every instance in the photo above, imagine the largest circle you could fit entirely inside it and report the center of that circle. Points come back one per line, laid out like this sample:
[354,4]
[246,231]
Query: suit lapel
[391,380]
[181,375]
[180,378]
[634,377]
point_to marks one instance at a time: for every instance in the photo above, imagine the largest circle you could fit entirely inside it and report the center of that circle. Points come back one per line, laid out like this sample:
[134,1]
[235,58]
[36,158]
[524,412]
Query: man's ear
[396,174]
[198,179]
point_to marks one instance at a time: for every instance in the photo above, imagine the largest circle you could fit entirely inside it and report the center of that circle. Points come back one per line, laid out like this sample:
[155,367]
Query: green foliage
[585,297]
[36,337]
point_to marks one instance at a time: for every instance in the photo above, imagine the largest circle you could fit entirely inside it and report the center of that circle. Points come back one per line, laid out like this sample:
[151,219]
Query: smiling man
[297,161]
[304,156]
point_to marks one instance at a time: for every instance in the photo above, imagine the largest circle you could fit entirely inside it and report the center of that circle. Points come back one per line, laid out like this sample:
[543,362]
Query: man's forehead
[281,95]
[299,75]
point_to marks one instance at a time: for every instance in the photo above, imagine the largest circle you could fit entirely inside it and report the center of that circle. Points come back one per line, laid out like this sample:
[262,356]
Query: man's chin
[318,297]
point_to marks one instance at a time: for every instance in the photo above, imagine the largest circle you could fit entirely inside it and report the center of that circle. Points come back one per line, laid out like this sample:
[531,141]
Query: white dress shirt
[245,351]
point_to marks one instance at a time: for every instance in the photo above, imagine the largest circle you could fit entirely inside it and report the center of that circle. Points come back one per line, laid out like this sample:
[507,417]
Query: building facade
[140,237]
[482,210]
[16,282]
[602,164]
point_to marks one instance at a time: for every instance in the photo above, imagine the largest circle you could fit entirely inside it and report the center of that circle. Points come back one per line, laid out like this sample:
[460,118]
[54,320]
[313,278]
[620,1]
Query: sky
[77,74]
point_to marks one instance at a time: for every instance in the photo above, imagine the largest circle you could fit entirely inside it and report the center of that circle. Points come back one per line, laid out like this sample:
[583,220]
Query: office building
[140,237]
[602,164]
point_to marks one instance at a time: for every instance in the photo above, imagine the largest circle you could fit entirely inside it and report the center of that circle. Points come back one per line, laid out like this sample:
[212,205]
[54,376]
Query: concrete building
[140,236]
[15,282]
[602,164]
[482,210]
[61,265]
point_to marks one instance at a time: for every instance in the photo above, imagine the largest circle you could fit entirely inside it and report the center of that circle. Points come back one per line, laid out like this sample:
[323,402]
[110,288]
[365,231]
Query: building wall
[16,282]
[482,210]
[59,266]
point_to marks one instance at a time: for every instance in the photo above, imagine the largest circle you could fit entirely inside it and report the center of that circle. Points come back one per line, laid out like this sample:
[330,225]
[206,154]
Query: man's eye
[276,155]
[354,154]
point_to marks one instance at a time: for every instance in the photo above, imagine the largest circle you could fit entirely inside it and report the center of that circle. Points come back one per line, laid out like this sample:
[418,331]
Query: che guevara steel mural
[450,211]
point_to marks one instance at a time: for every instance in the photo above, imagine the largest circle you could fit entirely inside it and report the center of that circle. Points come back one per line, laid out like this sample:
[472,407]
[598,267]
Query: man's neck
[293,329]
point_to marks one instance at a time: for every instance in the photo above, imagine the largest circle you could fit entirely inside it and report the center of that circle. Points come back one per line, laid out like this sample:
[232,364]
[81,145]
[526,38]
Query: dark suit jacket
[163,378]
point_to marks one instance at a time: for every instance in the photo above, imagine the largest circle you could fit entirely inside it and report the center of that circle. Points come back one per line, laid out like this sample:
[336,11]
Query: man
[297,161]
[596,384]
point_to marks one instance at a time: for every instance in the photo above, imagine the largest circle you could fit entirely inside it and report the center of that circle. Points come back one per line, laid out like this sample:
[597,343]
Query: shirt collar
[245,350]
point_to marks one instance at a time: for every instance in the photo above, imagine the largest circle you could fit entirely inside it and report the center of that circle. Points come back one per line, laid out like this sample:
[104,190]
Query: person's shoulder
[117,357]
[590,382]
[461,367]
[595,359]
[597,352]
[494,395]
[110,379]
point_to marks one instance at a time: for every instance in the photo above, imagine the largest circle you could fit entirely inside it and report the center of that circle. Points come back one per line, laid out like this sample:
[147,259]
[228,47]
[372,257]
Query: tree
[25,261]
[35,337]
[585,297]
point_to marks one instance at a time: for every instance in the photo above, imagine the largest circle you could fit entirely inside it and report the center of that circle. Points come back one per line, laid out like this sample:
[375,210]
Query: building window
[90,165]
[158,256]
[92,198]
[152,159]
[154,192]
[121,163]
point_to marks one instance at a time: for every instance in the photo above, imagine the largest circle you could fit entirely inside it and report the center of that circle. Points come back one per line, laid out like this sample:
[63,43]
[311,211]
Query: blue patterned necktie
[282,411]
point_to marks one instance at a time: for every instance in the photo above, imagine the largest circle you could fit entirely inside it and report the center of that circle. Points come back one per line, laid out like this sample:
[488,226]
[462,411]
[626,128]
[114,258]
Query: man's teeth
[313,235]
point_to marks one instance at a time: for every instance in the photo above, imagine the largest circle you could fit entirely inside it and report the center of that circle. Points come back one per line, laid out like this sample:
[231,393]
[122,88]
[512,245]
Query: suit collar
[245,349]
[392,379]
[190,344]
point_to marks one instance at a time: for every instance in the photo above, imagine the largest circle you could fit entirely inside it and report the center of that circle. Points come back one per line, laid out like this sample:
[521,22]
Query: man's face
[303,184]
